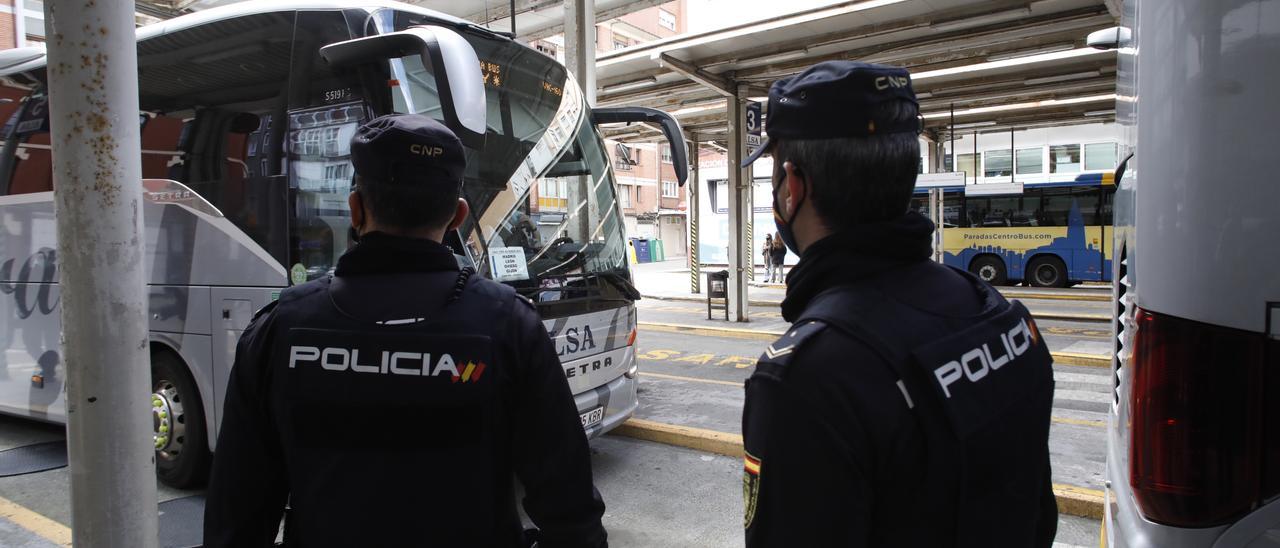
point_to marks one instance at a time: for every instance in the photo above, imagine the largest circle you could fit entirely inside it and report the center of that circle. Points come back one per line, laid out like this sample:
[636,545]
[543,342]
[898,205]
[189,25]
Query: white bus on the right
[1193,443]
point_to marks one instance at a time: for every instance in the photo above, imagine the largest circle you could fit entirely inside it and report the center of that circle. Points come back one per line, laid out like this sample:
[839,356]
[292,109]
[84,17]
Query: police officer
[909,403]
[395,402]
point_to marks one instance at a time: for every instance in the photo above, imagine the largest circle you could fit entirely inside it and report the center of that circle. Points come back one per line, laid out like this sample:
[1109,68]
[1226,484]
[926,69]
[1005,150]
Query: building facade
[653,203]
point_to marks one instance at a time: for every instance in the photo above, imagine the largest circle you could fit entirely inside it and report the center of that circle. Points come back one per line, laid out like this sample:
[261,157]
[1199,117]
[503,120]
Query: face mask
[784,227]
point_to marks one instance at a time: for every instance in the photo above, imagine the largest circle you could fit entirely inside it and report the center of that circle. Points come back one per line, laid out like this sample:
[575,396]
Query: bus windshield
[545,217]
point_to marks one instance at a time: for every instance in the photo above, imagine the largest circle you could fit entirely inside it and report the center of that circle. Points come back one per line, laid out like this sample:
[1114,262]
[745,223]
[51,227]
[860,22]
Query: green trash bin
[659,254]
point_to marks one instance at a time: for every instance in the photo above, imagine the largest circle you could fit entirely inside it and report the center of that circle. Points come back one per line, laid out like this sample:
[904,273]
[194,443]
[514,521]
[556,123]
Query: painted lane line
[1072,500]
[739,384]
[1063,358]
[691,379]
[34,523]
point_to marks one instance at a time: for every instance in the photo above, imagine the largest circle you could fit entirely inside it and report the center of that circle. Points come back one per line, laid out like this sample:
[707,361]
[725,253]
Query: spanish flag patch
[750,487]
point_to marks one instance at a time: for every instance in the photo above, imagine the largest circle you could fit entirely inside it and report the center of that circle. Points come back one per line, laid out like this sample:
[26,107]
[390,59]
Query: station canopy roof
[1000,64]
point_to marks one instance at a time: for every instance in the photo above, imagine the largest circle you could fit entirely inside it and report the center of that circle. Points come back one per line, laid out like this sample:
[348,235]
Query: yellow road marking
[1072,500]
[1079,422]
[1080,297]
[738,384]
[1064,358]
[714,331]
[690,379]
[37,524]
[1077,332]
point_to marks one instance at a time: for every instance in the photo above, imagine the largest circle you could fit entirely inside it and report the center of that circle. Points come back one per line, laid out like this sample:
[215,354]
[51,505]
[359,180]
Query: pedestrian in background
[909,404]
[768,257]
[778,257]
[396,402]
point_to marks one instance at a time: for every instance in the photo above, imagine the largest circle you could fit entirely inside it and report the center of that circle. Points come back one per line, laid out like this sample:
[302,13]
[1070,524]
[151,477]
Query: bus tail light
[1196,447]
[631,339]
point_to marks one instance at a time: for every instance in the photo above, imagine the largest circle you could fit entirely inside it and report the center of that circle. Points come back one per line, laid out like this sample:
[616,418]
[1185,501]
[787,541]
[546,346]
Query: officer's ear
[356,203]
[793,180]
[459,215]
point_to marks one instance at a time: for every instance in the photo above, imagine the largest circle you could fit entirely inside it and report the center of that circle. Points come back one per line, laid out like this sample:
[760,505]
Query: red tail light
[1196,449]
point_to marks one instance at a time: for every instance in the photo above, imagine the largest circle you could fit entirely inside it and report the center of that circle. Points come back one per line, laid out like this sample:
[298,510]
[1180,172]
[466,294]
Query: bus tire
[990,268]
[177,413]
[1047,271]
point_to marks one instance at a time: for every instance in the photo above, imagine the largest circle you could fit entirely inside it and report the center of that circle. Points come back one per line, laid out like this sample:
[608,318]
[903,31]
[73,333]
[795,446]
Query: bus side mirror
[446,55]
[1109,39]
[670,128]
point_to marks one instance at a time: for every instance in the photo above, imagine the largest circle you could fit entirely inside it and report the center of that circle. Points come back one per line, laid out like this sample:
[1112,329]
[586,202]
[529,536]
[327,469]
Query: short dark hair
[406,205]
[857,180]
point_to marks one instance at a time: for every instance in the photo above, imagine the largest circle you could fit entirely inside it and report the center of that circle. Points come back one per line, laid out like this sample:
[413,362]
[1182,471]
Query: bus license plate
[592,417]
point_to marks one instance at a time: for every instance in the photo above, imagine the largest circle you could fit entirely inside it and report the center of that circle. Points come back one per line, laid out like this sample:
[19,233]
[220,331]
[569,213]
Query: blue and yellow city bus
[1050,234]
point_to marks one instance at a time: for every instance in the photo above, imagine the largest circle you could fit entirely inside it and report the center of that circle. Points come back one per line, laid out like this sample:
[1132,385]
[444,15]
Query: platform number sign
[754,124]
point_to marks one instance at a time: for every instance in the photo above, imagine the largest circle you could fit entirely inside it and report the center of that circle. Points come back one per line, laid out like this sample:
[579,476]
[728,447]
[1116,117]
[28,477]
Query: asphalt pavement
[692,370]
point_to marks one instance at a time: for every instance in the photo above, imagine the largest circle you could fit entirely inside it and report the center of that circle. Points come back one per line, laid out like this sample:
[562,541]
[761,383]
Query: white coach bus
[246,116]
[1193,445]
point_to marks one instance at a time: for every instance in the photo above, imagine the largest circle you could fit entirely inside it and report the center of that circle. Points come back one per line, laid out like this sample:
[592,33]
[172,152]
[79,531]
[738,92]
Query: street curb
[1072,500]
[1066,316]
[1064,358]
[703,300]
[1083,360]
[700,439]
[1079,501]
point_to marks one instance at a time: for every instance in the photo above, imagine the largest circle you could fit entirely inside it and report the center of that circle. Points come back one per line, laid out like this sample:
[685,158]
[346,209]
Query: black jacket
[395,404]
[849,437]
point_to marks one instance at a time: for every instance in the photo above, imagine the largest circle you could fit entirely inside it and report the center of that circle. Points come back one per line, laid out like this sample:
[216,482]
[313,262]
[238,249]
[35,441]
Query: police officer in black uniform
[909,403]
[395,402]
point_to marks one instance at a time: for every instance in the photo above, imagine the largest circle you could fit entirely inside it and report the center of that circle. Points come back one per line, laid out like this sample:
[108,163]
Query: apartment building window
[547,49]
[670,189]
[1030,161]
[666,154]
[624,196]
[666,19]
[1064,158]
[619,44]
[624,157]
[1100,156]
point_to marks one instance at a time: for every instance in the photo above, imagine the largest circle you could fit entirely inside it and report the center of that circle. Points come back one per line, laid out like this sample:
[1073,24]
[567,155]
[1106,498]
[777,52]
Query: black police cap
[836,99]
[408,148]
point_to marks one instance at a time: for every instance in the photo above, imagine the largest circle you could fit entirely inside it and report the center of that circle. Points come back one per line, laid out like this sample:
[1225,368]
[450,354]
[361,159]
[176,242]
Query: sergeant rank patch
[750,487]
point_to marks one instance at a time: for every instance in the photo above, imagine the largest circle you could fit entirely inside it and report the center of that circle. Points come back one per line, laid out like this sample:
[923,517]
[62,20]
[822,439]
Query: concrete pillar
[740,252]
[580,44]
[93,91]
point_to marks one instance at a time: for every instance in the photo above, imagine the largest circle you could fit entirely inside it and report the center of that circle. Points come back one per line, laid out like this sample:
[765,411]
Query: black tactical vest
[981,390]
[395,423]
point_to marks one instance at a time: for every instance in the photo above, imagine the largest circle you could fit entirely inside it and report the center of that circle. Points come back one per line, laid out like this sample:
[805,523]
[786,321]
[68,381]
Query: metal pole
[513,18]
[695,207]
[977,165]
[935,212]
[739,201]
[19,23]
[93,88]
[580,44]
[951,132]
[1013,157]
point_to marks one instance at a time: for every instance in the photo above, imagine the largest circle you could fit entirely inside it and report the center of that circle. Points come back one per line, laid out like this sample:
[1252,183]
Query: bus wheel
[990,269]
[177,415]
[1047,272]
